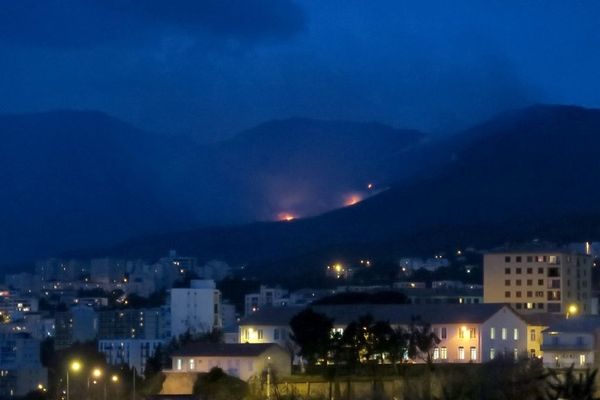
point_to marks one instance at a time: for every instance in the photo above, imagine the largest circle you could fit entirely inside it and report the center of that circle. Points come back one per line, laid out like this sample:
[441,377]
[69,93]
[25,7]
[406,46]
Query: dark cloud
[76,23]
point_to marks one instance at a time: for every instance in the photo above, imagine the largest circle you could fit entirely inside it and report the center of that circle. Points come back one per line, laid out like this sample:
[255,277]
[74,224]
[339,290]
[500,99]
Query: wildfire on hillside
[285,216]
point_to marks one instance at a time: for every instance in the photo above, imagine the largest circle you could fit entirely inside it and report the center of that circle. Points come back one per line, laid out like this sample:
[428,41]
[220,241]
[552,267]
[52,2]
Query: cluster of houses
[534,302]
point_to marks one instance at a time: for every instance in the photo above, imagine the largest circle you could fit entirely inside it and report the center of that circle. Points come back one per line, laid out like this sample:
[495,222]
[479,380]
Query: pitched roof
[224,349]
[583,324]
[395,314]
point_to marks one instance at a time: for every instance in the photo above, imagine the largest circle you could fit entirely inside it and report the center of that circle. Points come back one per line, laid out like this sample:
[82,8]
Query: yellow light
[40,386]
[573,309]
[75,366]
[97,373]
[463,328]
[114,378]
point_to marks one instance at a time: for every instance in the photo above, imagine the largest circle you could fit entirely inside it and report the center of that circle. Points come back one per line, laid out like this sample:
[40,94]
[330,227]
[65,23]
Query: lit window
[436,353]
[492,353]
[472,333]
[503,333]
[473,353]
[516,354]
[179,364]
[443,353]
[532,335]
[581,359]
[516,334]
[461,353]
[492,333]
[192,364]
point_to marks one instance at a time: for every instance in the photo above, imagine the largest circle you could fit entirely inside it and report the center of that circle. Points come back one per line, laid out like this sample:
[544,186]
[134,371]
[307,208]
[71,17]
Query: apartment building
[195,309]
[537,280]
[572,342]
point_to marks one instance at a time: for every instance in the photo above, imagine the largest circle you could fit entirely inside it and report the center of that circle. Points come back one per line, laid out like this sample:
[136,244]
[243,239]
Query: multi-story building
[266,297]
[78,324]
[195,309]
[21,370]
[133,352]
[143,323]
[538,280]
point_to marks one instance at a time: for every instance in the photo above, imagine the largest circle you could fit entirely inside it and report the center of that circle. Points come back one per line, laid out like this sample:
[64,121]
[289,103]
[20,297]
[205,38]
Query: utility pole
[133,395]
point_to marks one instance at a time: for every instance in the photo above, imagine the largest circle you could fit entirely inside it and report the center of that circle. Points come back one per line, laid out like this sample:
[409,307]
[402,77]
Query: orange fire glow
[352,199]
[285,216]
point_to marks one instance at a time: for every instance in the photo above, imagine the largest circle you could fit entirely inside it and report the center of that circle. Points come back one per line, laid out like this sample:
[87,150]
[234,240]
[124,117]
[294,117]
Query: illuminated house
[467,332]
[243,361]
[539,280]
[572,341]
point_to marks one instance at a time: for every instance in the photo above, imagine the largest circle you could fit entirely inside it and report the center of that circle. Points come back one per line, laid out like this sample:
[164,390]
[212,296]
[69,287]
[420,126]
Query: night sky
[211,68]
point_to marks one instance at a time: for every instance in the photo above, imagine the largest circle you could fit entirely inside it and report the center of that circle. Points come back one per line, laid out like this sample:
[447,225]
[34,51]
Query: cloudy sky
[210,68]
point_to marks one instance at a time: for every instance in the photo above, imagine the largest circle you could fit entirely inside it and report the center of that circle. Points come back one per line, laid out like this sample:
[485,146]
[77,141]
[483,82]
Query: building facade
[196,309]
[552,281]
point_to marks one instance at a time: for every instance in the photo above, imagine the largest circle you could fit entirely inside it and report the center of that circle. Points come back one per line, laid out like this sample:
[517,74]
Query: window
[540,282]
[516,334]
[503,333]
[530,270]
[529,259]
[519,306]
[518,294]
[276,334]
[461,353]
[436,353]
[519,270]
[192,364]
[529,282]
[530,306]
[554,307]
[532,335]
[519,258]
[260,334]
[461,332]
[553,260]
[492,353]
[472,333]
[246,334]
[443,353]
[507,259]
[518,282]
[179,364]
[529,293]
[532,353]
[443,333]
[539,293]
[516,354]
[507,282]
[507,294]
[540,306]
[553,272]
[554,284]
[554,295]
[473,353]
[492,333]
[581,359]
[540,270]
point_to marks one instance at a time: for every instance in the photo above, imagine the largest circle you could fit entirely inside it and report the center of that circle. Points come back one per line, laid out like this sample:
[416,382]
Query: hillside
[81,179]
[529,172]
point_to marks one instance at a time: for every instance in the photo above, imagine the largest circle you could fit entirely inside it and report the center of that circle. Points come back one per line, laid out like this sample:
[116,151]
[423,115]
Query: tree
[422,340]
[311,331]
[571,386]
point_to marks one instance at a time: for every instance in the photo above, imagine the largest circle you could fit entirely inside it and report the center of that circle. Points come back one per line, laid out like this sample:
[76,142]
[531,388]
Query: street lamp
[74,366]
[572,310]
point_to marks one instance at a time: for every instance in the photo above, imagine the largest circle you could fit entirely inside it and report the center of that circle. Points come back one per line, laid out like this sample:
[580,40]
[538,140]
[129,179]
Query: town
[130,328]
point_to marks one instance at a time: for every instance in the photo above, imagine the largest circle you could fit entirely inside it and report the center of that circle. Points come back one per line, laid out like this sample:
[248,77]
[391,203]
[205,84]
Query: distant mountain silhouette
[81,179]
[524,173]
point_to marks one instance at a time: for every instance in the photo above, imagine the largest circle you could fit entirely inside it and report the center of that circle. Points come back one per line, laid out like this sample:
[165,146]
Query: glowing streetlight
[572,310]
[115,378]
[74,366]
[97,373]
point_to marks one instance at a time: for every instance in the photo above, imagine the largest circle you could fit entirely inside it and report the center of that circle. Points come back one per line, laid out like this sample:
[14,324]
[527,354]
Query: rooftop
[224,349]
[583,324]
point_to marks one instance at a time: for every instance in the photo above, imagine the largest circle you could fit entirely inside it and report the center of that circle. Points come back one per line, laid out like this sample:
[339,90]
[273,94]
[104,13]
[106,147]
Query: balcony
[567,347]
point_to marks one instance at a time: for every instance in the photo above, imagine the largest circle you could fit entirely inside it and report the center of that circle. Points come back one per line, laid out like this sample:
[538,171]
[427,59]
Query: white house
[195,309]
[243,361]
[571,341]
[467,332]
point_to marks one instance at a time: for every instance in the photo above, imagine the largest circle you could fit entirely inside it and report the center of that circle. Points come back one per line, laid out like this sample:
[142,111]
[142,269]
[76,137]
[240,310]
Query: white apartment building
[195,309]
[538,280]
